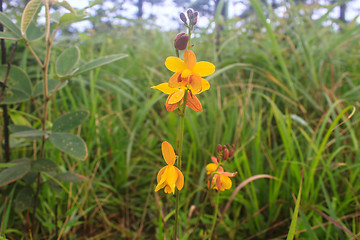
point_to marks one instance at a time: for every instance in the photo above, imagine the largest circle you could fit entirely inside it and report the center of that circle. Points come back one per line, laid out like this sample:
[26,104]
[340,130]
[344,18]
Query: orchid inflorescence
[219,179]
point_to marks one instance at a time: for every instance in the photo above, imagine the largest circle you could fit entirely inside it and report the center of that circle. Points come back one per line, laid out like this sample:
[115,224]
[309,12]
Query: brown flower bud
[181,41]
[231,154]
[190,13]
[218,148]
[194,18]
[183,17]
[226,154]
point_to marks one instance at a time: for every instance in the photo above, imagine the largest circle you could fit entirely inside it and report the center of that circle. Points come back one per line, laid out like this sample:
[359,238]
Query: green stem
[215,215]
[182,124]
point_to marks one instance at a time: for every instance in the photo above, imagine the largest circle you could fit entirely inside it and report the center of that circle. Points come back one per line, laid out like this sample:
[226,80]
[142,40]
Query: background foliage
[285,91]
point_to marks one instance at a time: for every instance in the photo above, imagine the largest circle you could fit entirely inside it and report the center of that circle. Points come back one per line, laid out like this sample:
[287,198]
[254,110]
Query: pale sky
[168,11]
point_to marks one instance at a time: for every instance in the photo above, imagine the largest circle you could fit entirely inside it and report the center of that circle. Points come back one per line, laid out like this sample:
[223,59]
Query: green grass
[282,93]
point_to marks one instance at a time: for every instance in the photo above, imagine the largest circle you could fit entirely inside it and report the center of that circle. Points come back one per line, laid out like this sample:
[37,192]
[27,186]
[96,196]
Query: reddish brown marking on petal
[170,107]
[193,102]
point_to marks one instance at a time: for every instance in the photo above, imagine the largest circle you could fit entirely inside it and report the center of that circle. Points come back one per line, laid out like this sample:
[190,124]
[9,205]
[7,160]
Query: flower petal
[190,59]
[160,173]
[171,107]
[218,182]
[225,182]
[160,186]
[229,174]
[214,159]
[211,167]
[175,64]
[172,178]
[168,153]
[174,80]
[164,87]
[196,83]
[193,103]
[203,68]
[167,189]
[177,96]
[180,179]
[205,85]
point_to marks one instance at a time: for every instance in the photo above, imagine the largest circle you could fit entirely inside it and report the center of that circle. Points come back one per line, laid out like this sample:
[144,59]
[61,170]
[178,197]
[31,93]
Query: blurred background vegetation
[285,92]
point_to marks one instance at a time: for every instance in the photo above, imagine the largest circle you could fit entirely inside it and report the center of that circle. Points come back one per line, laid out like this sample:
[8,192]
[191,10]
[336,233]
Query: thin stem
[44,68]
[215,215]
[182,124]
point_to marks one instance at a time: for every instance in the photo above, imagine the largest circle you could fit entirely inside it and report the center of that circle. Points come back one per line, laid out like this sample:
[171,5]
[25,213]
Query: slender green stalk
[181,137]
[215,215]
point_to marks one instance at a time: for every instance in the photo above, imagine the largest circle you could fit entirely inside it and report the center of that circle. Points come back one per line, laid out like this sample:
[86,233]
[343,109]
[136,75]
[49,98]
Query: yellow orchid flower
[169,176]
[220,179]
[187,78]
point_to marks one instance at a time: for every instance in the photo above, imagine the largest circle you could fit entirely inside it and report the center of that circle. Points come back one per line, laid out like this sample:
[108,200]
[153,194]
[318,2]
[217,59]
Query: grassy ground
[286,96]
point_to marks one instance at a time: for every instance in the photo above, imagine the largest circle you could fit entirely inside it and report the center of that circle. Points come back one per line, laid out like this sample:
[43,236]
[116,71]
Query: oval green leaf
[28,15]
[18,79]
[32,134]
[13,96]
[70,144]
[69,121]
[53,85]
[6,22]
[34,32]
[70,177]
[43,165]
[24,199]
[15,173]
[66,62]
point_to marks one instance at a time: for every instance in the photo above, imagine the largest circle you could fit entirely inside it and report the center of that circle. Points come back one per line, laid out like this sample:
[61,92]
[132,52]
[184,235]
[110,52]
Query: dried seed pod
[181,41]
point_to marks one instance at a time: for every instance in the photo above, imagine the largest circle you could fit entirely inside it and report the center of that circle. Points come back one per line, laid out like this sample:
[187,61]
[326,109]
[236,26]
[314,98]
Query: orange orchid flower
[220,179]
[169,176]
[186,78]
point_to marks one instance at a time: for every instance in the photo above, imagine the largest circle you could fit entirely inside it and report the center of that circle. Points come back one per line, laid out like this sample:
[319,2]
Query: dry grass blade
[333,221]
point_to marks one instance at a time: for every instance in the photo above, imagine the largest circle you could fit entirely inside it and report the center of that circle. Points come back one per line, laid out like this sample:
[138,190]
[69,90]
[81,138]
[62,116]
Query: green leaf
[34,32]
[99,62]
[55,16]
[16,172]
[69,18]
[294,218]
[69,121]
[53,85]
[70,144]
[20,128]
[6,22]
[18,119]
[28,15]
[13,96]
[30,134]
[66,62]
[18,79]
[43,165]
[70,177]
[66,5]
[8,35]
[24,199]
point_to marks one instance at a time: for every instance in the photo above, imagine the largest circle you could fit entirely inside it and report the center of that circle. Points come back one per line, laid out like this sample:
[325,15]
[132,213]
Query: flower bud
[218,148]
[226,154]
[183,17]
[181,41]
[190,13]
[195,18]
[231,154]
[223,147]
